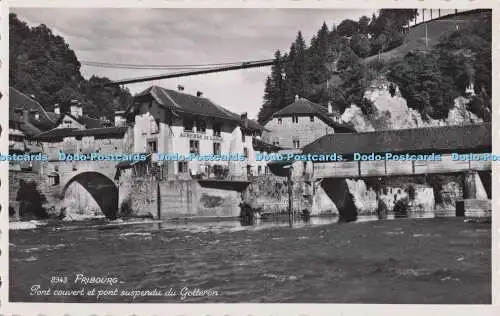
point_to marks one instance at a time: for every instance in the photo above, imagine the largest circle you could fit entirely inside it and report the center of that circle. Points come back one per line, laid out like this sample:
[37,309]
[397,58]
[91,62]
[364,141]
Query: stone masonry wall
[178,199]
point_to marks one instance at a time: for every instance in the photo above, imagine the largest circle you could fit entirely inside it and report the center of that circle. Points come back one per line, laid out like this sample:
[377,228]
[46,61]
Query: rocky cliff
[390,111]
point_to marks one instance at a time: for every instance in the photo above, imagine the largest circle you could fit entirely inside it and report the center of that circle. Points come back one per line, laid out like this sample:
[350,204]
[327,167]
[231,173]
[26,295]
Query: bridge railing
[358,169]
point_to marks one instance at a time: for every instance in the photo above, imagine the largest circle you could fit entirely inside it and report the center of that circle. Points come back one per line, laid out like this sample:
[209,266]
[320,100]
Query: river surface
[194,262]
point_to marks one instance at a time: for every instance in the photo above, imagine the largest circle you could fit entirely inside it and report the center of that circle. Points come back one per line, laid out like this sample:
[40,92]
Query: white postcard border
[240,309]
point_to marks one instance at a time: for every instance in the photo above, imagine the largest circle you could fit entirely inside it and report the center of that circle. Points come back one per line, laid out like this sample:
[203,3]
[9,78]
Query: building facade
[174,125]
[302,122]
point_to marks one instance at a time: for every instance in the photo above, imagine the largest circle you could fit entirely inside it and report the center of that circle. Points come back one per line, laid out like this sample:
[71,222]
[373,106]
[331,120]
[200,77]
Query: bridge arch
[102,189]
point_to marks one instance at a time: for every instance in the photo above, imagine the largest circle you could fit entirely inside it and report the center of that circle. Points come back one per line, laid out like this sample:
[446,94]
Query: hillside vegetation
[340,64]
[42,64]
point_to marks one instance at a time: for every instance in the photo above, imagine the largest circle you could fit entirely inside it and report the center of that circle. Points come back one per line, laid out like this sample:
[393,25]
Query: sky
[186,36]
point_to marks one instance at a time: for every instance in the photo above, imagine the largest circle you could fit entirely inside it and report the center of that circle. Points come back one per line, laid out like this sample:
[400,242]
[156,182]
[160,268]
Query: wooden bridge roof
[430,139]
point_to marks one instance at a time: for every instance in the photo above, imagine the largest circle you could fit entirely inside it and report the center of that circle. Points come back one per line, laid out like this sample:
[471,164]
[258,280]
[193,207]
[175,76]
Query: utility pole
[426,38]
[290,193]
[158,194]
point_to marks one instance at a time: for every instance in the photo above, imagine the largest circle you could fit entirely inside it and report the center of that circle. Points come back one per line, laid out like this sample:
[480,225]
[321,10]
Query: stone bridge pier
[476,186]
[82,187]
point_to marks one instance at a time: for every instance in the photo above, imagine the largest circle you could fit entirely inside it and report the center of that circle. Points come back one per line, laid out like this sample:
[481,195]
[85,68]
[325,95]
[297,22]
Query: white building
[177,124]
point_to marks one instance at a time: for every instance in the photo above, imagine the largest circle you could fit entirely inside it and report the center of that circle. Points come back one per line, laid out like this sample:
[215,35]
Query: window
[295,119]
[217,129]
[276,142]
[249,170]
[182,167]
[280,121]
[245,152]
[54,179]
[311,118]
[188,125]
[243,138]
[152,146]
[194,147]
[296,143]
[216,148]
[259,170]
[266,170]
[201,127]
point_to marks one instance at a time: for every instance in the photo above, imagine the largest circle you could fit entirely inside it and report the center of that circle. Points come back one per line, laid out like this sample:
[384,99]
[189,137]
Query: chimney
[119,118]
[76,108]
[244,118]
[297,97]
[57,109]
[36,114]
[199,94]
[180,88]
[26,116]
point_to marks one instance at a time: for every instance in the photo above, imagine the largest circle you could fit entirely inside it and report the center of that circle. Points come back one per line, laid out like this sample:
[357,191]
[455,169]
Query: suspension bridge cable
[161,66]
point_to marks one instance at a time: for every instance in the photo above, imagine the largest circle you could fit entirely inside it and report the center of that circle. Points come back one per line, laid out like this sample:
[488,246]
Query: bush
[126,208]
[382,209]
[32,200]
[401,208]
[367,107]
[411,193]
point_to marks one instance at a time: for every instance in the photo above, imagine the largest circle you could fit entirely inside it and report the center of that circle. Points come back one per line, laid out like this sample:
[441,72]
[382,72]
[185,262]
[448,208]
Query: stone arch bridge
[97,180]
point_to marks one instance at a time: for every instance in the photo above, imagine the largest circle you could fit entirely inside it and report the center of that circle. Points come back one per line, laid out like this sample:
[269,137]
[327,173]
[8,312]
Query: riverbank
[419,261]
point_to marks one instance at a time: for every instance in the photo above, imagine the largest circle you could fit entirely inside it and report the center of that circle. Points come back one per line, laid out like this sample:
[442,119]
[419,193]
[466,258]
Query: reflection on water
[221,225]
[260,223]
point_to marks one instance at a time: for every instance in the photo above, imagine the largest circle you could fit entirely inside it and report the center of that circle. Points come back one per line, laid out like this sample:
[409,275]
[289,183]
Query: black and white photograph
[249,155]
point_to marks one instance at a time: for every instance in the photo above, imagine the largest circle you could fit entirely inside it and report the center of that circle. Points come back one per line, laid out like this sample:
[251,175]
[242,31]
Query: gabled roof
[59,133]
[430,139]
[91,122]
[186,103]
[30,129]
[262,146]
[53,116]
[190,104]
[253,125]
[19,100]
[302,106]
[87,121]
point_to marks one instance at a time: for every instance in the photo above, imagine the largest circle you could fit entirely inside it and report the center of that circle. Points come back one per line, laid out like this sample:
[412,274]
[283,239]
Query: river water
[224,261]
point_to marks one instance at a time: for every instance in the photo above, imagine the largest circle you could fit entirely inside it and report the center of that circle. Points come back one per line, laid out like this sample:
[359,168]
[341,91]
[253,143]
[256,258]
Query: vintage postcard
[158,157]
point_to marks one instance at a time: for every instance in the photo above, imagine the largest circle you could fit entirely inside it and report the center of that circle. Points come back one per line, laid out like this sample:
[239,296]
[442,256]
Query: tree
[295,70]
[360,44]
[274,90]
[44,65]
[364,25]
[347,28]
[423,85]
[317,57]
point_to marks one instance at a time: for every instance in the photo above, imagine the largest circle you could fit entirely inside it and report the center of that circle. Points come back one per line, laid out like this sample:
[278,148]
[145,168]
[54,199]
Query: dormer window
[188,125]
[217,130]
[201,126]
